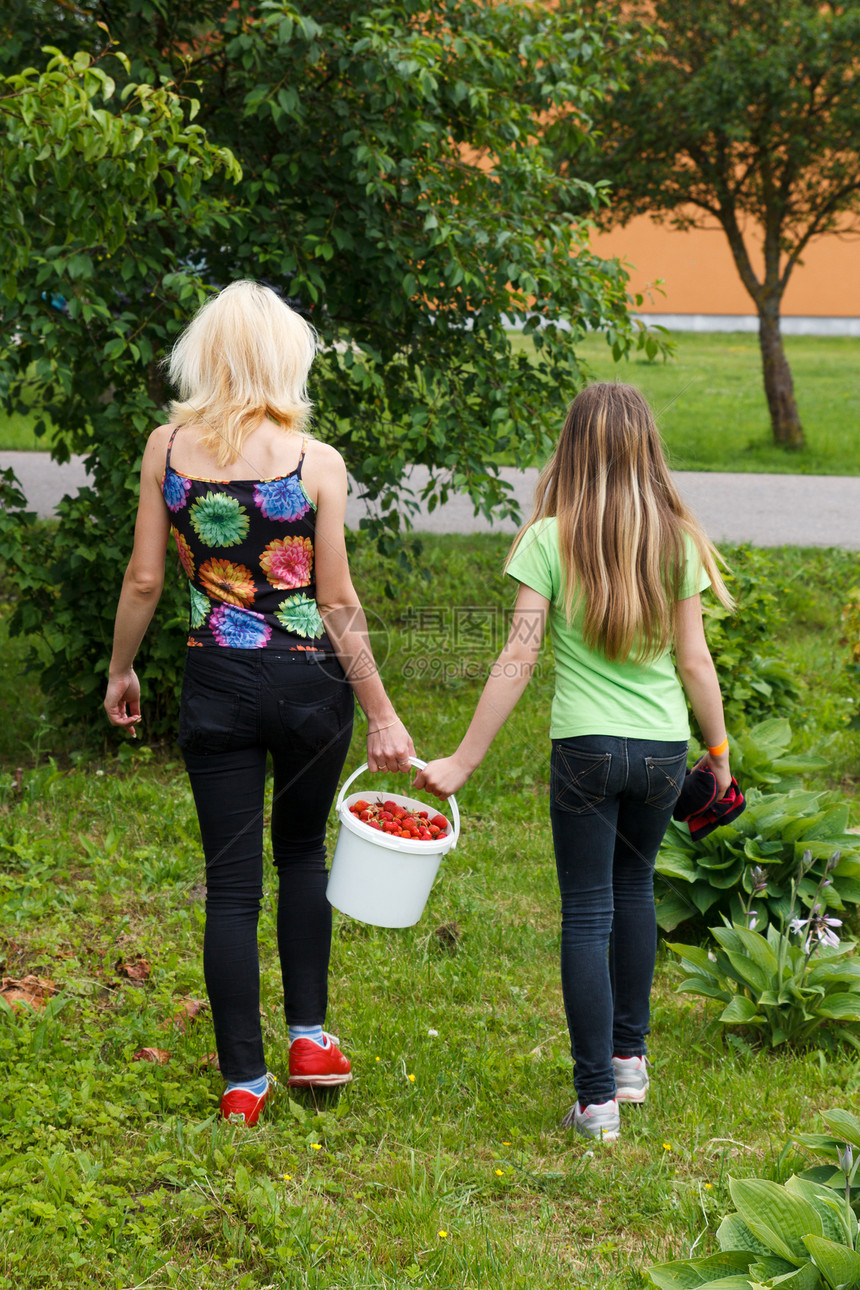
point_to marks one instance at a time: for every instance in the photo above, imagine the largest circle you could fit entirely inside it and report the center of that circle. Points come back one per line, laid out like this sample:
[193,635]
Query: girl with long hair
[615,563]
[277,648]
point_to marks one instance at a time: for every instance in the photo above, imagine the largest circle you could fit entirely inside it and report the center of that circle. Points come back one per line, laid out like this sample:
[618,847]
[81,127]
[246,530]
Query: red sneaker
[239,1106]
[312,1063]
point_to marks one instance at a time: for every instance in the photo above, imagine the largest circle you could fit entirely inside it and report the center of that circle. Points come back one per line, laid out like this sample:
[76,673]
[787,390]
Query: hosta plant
[791,987]
[763,756]
[842,1144]
[698,882]
[799,1235]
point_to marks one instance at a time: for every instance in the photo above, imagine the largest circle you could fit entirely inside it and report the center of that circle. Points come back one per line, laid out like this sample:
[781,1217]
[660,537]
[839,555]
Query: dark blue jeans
[611,800]
[237,706]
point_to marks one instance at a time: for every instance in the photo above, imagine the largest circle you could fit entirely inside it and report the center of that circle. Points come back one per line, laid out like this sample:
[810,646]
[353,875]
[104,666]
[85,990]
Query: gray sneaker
[599,1120]
[631,1078]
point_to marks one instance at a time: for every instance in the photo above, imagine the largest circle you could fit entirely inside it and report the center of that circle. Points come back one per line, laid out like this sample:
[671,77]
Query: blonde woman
[615,562]
[277,649]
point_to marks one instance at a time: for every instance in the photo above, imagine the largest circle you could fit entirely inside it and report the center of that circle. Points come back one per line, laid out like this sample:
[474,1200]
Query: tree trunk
[778,385]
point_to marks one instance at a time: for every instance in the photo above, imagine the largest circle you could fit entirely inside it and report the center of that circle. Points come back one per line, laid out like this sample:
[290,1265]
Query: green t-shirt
[594,696]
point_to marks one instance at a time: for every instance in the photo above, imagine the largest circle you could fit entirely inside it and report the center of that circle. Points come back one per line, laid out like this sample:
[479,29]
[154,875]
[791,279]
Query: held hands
[122,701]
[389,747]
[443,777]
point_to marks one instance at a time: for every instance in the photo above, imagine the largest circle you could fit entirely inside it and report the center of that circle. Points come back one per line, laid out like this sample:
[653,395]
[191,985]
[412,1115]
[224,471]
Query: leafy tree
[395,187]
[100,198]
[742,113]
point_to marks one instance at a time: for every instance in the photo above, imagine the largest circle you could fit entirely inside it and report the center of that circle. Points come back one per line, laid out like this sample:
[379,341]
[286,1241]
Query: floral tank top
[247,548]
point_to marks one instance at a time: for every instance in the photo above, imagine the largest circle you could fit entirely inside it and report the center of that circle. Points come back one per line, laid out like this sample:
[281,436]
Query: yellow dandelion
[411,1079]
[442,1232]
[500,1173]
[287,1177]
[316,1146]
[506,1144]
[667,1146]
[377,1059]
[709,1186]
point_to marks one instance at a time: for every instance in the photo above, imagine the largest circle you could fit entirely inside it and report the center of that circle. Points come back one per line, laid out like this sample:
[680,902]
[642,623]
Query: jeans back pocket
[207,722]
[578,779]
[318,725]
[665,779]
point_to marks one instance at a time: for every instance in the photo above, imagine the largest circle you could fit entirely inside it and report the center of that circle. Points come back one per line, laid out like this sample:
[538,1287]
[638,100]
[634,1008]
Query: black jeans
[237,705]
[611,800]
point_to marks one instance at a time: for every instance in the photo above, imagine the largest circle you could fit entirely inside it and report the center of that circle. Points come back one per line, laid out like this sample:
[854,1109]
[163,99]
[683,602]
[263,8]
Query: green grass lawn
[443,1165]
[711,408]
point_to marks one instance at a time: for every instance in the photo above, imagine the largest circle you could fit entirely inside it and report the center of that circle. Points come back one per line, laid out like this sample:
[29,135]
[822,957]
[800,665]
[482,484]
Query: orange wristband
[720,748]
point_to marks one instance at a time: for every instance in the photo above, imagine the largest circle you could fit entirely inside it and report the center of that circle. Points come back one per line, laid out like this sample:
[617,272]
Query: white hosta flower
[816,928]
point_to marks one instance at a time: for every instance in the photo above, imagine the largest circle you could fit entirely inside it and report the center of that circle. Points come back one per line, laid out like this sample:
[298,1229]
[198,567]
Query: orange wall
[700,277]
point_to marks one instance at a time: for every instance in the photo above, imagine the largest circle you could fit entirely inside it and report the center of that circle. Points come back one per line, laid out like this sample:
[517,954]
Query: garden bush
[697,882]
[754,682]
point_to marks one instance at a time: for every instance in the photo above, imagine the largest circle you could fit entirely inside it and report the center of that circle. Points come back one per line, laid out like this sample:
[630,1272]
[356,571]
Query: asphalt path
[765,510]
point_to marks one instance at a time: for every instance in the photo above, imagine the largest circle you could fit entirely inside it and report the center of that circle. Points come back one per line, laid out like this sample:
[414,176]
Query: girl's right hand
[442,777]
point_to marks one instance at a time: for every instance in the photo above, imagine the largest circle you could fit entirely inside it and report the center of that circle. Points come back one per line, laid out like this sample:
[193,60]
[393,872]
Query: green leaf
[844,1124]
[840,1007]
[733,1234]
[741,1011]
[830,1206]
[776,1217]
[686,1274]
[758,950]
[839,1265]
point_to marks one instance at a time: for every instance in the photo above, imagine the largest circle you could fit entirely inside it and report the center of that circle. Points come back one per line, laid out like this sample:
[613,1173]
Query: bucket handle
[413,761]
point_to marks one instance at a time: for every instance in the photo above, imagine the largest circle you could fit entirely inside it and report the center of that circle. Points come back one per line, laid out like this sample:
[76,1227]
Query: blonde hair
[621,525]
[244,356]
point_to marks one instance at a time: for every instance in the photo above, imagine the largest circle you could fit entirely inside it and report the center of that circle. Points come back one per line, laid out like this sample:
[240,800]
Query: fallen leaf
[211,1061]
[32,990]
[137,970]
[159,1055]
[189,1011]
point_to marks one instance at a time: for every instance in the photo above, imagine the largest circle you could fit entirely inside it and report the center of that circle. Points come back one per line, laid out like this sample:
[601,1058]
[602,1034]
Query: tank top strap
[301,458]
[169,446]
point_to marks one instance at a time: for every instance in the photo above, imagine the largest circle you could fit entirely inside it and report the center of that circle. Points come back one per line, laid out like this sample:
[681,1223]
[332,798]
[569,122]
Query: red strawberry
[360,806]
[440,822]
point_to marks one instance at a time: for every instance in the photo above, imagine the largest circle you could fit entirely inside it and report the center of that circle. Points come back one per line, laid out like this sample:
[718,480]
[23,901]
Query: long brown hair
[621,524]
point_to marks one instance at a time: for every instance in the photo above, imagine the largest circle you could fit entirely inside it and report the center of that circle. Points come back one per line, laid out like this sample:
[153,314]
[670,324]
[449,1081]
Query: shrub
[754,683]
[762,756]
[851,625]
[701,881]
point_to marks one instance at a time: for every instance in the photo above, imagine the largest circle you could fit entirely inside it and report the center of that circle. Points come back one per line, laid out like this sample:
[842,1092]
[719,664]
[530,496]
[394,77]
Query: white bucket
[376,877]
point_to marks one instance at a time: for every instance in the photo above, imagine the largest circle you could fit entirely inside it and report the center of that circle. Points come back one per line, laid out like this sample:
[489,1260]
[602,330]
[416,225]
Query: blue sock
[308,1032]
[255,1086]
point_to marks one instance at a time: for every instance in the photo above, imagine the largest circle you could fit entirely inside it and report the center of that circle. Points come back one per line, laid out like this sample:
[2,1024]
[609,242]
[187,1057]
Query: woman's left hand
[389,749]
[122,701]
